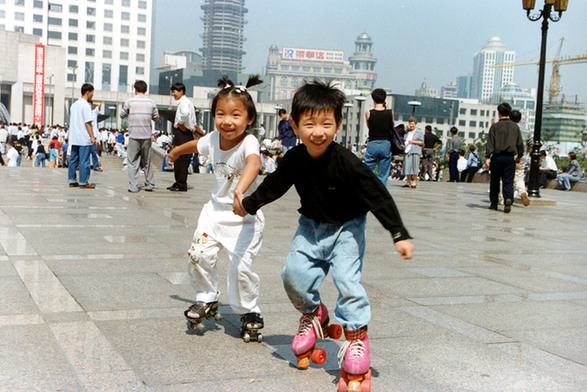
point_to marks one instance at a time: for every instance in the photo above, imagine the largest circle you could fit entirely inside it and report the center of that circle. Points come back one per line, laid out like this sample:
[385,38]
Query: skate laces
[309,321]
[355,347]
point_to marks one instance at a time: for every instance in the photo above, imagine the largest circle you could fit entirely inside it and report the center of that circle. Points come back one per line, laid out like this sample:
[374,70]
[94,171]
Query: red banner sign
[39,86]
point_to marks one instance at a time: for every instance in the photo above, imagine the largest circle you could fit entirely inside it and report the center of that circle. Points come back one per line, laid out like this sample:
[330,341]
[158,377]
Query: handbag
[398,146]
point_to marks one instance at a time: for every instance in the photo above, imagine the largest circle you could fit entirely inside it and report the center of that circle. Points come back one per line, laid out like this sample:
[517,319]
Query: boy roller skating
[336,191]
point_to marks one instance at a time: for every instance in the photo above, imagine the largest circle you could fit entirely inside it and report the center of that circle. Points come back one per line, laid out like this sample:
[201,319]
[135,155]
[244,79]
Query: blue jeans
[378,151]
[95,162]
[318,248]
[286,148]
[565,179]
[80,156]
[41,159]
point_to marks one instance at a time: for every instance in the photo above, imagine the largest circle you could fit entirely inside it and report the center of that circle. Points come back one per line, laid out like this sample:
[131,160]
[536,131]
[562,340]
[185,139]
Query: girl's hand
[405,248]
[171,155]
[237,204]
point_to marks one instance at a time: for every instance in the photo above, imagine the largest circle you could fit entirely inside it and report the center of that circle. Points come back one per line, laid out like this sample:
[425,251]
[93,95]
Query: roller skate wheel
[191,326]
[319,356]
[259,338]
[200,327]
[218,317]
[334,331]
[246,337]
[303,363]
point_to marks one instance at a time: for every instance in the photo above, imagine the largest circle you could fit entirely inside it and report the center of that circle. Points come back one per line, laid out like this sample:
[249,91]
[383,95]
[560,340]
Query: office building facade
[488,81]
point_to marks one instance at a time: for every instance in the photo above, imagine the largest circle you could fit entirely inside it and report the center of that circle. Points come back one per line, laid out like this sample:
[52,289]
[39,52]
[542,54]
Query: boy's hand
[171,156]
[405,248]
[237,204]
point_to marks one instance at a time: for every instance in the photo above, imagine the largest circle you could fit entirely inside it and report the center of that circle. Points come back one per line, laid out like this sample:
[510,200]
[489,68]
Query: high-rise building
[363,64]
[108,42]
[223,38]
[464,86]
[488,81]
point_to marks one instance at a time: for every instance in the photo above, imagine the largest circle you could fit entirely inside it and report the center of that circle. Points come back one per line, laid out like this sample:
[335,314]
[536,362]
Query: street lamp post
[545,14]
[73,80]
[414,105]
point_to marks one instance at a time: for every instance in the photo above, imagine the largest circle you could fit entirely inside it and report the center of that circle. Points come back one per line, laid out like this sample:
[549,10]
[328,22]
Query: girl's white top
[228,165]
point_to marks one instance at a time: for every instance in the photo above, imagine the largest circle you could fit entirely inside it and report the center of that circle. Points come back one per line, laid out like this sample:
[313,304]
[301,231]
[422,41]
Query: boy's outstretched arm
[186,148]
[405,248]
[250,172]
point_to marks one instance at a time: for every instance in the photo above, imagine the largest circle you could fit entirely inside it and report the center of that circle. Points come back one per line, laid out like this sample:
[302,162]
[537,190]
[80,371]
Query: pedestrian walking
[379,121]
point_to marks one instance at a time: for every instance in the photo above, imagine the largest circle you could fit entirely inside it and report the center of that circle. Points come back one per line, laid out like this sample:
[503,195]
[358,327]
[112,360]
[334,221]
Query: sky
[414,41]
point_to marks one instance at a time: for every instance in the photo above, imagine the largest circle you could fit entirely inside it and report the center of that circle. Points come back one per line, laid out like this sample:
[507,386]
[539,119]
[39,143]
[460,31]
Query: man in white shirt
[3,139]
[81,139]
[94,160]
[184,128]
[548,169]
[12,156]
[141,112]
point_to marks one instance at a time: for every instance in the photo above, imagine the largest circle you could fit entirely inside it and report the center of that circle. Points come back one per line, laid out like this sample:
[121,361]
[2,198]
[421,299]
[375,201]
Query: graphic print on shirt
[226,173]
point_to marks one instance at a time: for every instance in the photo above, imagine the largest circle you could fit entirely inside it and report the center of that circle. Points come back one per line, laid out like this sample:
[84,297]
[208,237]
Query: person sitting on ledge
[574,173]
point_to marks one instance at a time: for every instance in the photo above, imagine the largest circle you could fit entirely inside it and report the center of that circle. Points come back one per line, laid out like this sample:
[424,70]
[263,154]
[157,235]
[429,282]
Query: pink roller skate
[355,375]
[313,326]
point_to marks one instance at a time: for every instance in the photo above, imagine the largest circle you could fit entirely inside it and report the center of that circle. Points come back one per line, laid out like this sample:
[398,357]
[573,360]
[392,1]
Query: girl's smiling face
[231,120]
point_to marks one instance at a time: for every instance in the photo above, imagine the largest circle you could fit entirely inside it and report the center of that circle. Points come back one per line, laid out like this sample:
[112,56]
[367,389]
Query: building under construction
[566,123]
[223,36]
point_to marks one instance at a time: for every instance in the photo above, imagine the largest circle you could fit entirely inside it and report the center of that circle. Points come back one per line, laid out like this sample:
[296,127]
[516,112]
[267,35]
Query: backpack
[398,146]
[41,149]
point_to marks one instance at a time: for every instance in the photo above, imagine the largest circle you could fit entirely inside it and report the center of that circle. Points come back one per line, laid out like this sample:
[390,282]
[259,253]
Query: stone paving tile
[94,285]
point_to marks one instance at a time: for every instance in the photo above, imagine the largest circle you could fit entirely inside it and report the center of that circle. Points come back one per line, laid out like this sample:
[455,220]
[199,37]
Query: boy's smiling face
[316,131]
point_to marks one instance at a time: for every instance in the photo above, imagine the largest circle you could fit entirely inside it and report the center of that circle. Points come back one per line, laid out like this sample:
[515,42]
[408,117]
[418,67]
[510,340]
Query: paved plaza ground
[94,284]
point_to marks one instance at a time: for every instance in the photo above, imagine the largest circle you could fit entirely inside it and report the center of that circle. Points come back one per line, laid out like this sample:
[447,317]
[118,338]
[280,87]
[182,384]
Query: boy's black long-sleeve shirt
[334,188]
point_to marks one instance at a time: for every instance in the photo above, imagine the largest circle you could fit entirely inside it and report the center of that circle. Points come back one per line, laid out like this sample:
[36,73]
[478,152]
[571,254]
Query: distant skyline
[414,41]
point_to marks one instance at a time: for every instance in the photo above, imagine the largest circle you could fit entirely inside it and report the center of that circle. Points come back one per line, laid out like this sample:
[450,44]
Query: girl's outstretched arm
[186,148]
[250,172]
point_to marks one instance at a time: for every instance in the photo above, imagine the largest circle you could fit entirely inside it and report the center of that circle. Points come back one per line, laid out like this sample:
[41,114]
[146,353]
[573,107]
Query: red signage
[39,86]
[335,56]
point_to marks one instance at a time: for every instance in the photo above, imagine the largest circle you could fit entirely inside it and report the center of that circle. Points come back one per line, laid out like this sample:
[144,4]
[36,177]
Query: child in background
[336,191]
[53,155]
[234,155]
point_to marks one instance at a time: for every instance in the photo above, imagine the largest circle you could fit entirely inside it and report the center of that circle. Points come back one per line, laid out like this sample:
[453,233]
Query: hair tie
[240,89]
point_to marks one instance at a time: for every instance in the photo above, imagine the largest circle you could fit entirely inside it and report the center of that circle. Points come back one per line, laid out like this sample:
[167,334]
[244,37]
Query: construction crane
[554,88]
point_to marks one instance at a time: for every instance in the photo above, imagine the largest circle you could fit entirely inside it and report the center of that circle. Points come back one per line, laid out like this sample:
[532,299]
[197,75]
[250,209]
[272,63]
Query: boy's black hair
[454,130]
[515,116]
[281,111]
[178,86]
[86,87]
[228,89]
[504,109]
[141,86]
[317,96]
[379,95]
[428,128]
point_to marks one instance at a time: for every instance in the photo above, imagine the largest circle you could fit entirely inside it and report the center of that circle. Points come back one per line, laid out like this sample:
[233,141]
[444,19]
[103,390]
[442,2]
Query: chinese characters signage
[39,85]
[335,56]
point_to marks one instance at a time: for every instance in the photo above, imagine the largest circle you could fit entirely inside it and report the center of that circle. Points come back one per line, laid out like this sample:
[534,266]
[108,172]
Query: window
[90,38]
[54,34]
[109,2]
[107,26]
[125,15]
[125,29]
[284,81]
[91,11]
[36,4]
[124,55]
[472,123]
[462,111]
[143,5]
[440,120]
[107,40]
[122,77]
[73,22]
[37,18]
[72,49]
[55,7]
[141,44]
[482,112]
[2,14]
[140,57]
[462,134]
[71,77]
[19,29]
[90,52]
[473,112]
[142,18]
[106,76]
[18,2]
[19,15]
[73,9]
[126,3]
[54,21]
[140,70]
[38,32]
[71,63]
[124,42]
[89,72]
[462,123]
[72,36]
[108,13]
[90,25]
[471,135]
[107,54]
[141,31]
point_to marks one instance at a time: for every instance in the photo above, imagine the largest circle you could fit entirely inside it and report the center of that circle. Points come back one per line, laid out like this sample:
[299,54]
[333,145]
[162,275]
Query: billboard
[39,85]
[335,56]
